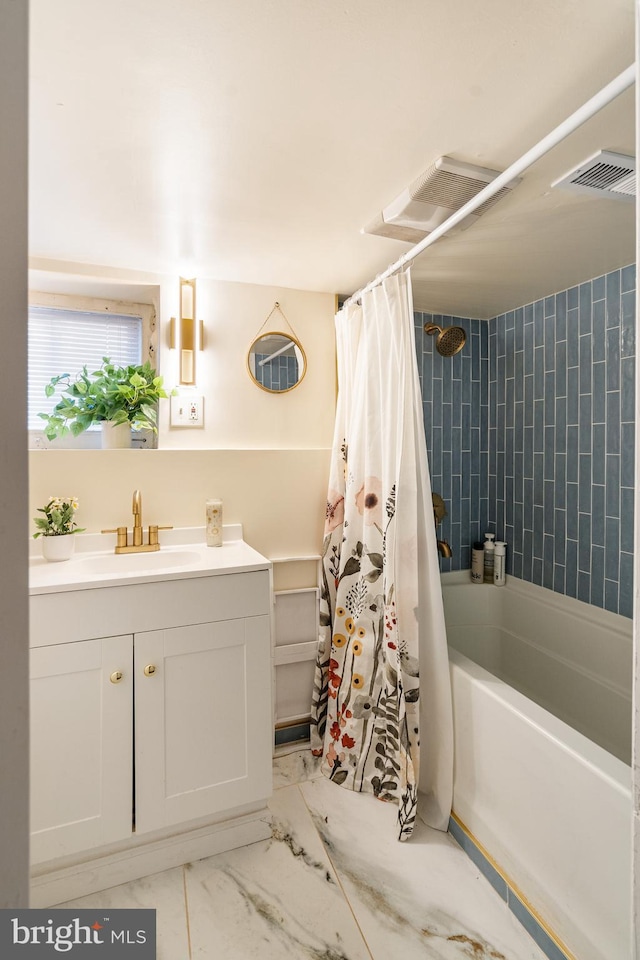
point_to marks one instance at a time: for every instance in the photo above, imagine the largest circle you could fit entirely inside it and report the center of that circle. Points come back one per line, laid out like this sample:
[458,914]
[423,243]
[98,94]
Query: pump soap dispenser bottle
[489,549]
[499,558]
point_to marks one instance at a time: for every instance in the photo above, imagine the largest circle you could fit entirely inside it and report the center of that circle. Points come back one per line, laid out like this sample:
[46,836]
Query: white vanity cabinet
[81,746]
[151,727]
[206,687]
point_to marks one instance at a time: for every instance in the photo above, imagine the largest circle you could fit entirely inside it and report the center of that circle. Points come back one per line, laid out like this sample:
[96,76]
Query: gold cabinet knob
[116,676]
[149,670]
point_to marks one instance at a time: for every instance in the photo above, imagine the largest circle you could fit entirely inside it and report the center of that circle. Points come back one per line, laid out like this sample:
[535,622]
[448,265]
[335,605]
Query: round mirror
[276,362]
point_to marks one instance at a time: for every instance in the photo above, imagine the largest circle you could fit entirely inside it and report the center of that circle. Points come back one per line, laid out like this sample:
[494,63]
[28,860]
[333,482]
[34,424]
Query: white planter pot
[115,436]
[55,549]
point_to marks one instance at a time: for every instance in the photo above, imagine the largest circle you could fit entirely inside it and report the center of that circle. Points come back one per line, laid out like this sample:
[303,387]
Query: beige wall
[238,414]
[278,495]
[14,648]
[265,455]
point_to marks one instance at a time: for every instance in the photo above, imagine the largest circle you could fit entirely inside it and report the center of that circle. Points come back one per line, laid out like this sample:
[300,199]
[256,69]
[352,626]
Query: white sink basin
[183,555]
[134,562]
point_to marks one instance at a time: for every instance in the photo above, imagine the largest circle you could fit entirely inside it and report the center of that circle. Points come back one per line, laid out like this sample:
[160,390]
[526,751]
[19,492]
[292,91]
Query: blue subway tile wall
[530,435]
[455,401]
[561,439]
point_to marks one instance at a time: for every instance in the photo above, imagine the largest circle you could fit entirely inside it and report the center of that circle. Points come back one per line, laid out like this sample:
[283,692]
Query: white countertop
[183,554]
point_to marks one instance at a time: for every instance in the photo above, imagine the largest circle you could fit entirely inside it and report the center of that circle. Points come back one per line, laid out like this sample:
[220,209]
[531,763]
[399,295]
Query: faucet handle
[122,535]
[153,532]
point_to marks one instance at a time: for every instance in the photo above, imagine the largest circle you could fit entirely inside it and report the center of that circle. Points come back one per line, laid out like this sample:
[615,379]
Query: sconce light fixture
[189,336]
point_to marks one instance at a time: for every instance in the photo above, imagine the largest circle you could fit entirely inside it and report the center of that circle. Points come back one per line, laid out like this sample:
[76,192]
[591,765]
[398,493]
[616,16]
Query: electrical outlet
[187,411]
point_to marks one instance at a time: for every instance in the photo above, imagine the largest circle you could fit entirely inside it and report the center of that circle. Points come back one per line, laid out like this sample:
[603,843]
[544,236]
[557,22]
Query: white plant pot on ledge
[115,436]
[58,548]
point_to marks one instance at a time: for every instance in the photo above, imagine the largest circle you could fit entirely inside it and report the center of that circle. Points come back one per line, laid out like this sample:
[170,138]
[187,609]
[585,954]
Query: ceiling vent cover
[605,174]
[433,197]
[394,231]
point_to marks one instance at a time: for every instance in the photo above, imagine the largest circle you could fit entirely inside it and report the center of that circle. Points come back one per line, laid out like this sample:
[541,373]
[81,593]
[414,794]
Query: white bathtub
[542,719]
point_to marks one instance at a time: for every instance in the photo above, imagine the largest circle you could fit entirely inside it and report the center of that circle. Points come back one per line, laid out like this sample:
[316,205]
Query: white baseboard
[71,882]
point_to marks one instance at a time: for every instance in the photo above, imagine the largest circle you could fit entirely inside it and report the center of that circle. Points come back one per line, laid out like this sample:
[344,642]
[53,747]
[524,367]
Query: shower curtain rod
[608,93]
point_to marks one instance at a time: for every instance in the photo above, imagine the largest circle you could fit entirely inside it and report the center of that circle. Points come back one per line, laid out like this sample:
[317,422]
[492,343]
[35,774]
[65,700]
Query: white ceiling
[251,140]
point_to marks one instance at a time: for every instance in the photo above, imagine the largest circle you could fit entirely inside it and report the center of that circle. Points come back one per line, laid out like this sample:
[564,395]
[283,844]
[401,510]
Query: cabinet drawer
[146,606]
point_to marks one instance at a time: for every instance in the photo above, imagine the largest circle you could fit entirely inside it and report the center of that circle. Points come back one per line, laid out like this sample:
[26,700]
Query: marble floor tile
[333,883]
[415,900]
[162,892]
[273,900]
[295,768]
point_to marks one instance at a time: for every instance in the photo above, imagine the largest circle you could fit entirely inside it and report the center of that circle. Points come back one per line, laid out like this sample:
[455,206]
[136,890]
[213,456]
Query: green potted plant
[56,527]
[121,398]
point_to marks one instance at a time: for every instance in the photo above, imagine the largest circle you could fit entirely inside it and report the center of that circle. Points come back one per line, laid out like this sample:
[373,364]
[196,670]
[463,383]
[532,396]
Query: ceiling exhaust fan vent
[394,231]
[431,199]
[451,184]
[603,174]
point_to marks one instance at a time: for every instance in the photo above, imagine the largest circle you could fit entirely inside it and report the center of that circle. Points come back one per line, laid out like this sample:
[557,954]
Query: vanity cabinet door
[81,746]
[203,720]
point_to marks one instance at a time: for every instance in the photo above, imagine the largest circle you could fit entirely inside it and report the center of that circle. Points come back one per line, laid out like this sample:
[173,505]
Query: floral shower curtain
[381,616]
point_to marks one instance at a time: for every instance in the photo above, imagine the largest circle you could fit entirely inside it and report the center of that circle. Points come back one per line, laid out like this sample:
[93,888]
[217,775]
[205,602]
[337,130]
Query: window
[67,333]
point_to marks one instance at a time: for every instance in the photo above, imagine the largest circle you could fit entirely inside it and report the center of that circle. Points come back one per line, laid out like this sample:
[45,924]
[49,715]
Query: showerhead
[449,341]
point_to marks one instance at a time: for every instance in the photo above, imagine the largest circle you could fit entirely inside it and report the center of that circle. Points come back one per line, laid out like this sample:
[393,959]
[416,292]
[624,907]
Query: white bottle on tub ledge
[489,550]
[499,561]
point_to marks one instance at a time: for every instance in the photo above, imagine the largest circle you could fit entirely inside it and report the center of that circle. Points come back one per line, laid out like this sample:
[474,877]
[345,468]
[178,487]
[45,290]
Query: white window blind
[63,341]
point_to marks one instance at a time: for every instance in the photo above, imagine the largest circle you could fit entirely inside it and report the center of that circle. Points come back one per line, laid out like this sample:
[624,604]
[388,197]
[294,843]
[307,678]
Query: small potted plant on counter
[120,398]
[57,527]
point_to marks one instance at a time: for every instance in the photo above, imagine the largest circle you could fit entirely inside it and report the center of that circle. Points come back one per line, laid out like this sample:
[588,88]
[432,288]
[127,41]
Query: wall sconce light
[189,336]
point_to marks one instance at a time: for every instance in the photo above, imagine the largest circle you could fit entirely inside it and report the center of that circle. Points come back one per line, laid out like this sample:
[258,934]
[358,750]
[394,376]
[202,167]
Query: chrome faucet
[137,544]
